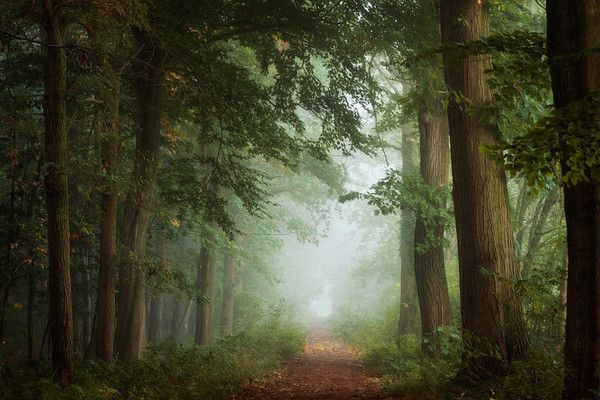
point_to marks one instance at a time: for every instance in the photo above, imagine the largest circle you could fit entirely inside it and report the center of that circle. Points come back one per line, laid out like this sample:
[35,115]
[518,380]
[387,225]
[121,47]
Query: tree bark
[157,302]
[206,295]
[3,305]
[491,313]
[239,288]
[156,318]
[409,309]
[57,193]
[31,295]
[574,27]
[177,317]
[185,320]
[537,230]
[130,332]
[88,308]
[105,323]
[105,302]
[430,270]
[228,301]
[563,300]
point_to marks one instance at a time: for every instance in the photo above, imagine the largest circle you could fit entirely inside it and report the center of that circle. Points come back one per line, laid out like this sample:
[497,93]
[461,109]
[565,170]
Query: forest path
[327,370]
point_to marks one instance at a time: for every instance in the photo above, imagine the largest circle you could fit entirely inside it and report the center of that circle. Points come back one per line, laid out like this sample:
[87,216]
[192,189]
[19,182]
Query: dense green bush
[407,372]
[168,371]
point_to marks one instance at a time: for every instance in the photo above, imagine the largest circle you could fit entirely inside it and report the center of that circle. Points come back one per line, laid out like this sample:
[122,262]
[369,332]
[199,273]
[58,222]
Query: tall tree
[574,30]
[57,191]
[206,295]
[228,301]
[155,320]
[491,312]
[409,307]
[149,76]
[430,271]
[107,125]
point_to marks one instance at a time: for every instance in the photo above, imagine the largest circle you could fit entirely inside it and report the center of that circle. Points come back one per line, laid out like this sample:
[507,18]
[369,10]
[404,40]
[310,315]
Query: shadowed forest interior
[297,199]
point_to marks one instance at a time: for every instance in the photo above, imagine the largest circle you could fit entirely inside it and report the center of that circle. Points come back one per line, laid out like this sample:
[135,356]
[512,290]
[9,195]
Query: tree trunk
[563,300]
[156,318]
[105,322]
[31,292]
[537,230]
[407,321]
[523,202]
[186,318]
[206,295]
[88,311]
[573,28]
[491,313]
[57,194]
[239,288]
[191,321]
[3,305]
[430,271]
[107,128]
[157,302]
[228,295]
[149,77]
[176,319]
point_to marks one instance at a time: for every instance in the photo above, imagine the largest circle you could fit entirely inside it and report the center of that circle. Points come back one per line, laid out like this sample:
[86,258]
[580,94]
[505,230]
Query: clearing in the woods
[327,369]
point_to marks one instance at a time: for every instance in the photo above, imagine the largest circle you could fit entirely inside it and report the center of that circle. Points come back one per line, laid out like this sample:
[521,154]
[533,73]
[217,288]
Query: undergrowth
[166,372]
[410,374]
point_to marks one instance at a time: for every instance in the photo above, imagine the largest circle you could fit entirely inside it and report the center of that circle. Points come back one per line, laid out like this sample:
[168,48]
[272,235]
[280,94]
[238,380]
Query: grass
[408,373]
[167,371]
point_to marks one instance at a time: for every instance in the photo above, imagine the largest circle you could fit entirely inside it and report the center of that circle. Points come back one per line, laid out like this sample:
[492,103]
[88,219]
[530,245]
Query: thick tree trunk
[130,332]
[582,331]
[573,28]
[430,271]
[57,193]
[491,313]
[228,301]
[206,296]
[409,309]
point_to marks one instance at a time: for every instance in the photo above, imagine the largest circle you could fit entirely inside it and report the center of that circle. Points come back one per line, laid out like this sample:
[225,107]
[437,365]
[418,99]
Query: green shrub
[167,371]
[408,373]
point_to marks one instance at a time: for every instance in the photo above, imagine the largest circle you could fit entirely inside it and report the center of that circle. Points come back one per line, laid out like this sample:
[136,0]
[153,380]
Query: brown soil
[327,370]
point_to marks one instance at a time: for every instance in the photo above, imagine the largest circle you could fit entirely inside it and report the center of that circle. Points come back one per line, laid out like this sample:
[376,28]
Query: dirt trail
[327,370]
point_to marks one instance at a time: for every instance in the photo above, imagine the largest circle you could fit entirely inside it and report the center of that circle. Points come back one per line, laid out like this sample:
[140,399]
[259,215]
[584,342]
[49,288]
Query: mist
[294,199]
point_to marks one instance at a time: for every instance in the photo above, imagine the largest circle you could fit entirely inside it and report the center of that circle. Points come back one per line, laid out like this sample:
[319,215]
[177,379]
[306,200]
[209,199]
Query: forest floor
[327,369]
